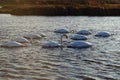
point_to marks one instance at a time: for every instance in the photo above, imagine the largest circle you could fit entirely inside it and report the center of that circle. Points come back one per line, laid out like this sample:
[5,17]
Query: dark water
[100,62]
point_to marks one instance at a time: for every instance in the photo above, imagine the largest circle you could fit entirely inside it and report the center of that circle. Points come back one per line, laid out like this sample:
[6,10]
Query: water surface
[35,63]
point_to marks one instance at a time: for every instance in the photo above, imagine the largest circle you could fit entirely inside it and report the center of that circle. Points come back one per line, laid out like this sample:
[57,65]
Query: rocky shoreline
[63,11]
[67,12]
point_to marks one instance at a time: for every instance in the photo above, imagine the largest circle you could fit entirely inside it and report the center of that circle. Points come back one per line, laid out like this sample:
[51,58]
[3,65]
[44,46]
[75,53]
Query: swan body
[102,34]
[12,44]
[32,36]
[21,40]
[42,34]
[62,31]
[79,44]
[51,44]
[84,32]
[78,37]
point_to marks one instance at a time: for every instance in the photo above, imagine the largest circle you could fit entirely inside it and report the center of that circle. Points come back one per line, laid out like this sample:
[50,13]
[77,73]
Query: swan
[79,44]
[102,34]
[12,44]
[78,37]
[42,34]
[32,36]
[54,44]
[61,31]
[51,44]
[21,40]
[84,32]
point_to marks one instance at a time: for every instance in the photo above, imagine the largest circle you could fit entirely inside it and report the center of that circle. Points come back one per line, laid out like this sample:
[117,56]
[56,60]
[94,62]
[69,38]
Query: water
[100,62]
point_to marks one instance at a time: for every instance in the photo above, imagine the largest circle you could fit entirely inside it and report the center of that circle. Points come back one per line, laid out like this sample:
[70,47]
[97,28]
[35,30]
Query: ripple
[34,63]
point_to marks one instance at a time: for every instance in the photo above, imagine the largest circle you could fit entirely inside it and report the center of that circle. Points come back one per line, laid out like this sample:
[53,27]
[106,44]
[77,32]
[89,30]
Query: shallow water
[100,62]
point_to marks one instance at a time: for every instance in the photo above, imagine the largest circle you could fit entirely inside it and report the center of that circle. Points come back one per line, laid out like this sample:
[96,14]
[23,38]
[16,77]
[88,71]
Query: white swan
[42,34]
[12,44]
[79,44]
[51,44]
[54,44]
[21,40]
[32,36]
[84,32]
[61,31]
[102,34]
[78,37]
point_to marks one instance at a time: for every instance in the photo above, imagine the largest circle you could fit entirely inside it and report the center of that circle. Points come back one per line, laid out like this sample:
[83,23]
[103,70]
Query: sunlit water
[100,62]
